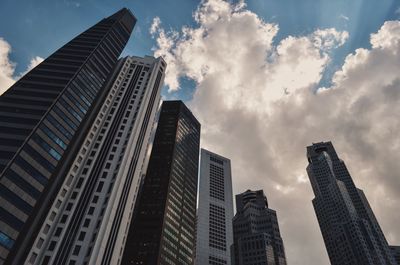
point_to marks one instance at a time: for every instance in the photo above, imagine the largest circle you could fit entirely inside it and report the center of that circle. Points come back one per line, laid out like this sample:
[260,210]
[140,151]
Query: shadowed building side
[44,118]
[256,235]
[396,253]
[89,217]
[162,230]
[351,233]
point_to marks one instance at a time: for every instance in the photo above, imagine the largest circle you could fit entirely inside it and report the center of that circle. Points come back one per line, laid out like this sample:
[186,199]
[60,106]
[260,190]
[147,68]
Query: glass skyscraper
[396,253]
[162,230]
[215,210]
[44,118]
[256,235]
[351,232]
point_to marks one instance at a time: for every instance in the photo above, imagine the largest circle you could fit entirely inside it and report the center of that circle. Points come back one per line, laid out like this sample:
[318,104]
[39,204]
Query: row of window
[67,116]
[217,182]
[216,261]
[64,125]
[217,230]
[216,160]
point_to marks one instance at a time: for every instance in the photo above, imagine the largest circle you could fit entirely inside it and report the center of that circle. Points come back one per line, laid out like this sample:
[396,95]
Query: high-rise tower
[89,218]
[44,118]
[257,239]
[162,230]
[350,230]
[396,253]
[215,210]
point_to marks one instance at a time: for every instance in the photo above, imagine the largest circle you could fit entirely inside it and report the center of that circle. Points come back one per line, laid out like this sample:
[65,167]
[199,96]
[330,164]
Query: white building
[215,210]
[89,219]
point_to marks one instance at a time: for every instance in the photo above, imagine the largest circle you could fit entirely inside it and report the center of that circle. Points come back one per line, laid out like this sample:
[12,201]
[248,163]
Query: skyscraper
[350,230]
[396,253]
[256,235]
[162,230]
[44,118]
[88,220]
[215,210]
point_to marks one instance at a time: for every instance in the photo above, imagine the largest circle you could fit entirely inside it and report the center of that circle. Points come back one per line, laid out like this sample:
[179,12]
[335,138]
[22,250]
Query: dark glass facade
[396,253]
[256,235]
[43,119]
[162,230]
[351,233]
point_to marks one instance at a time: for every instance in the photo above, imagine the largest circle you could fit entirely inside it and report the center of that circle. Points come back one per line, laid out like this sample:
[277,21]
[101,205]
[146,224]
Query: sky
[265,78]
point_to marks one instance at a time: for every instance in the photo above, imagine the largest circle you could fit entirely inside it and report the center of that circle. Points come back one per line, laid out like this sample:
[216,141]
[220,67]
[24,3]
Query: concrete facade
[215,210]
[88,221]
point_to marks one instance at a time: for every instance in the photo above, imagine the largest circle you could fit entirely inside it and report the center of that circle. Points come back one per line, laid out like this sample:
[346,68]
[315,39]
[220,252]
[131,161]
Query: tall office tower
[43,120]
[162,230]
[396,253]
[350,230]
[215,210]
[89,219]
[256,235]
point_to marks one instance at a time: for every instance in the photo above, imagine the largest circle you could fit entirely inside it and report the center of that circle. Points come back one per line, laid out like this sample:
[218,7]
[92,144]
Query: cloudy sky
[266,78]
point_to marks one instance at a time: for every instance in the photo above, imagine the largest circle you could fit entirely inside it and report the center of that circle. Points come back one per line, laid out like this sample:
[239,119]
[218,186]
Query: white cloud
[234,44]
[256,103]
[7,67]
[328,39]
[388,36]
[155,25]
[32,64]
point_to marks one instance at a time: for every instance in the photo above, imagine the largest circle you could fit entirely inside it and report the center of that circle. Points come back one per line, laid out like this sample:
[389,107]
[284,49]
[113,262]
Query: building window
[217,233]
[76,250]
[52,245]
